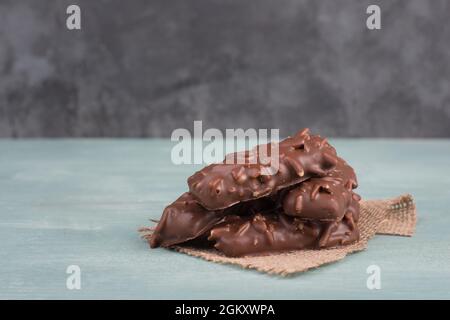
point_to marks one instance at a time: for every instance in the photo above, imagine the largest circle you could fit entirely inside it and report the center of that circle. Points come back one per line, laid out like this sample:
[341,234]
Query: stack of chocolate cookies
[240,209]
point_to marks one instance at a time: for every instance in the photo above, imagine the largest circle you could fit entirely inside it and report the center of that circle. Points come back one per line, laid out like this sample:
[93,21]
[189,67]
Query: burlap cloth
[391,216]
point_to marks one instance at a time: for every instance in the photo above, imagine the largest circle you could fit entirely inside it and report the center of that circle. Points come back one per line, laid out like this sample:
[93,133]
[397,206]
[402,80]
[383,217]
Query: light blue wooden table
[79,202]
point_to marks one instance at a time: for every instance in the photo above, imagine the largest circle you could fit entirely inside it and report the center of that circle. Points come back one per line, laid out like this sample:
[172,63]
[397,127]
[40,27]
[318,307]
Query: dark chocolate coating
[330,199]
[326,199]
[185,219]
[238,236]
[309,203]
[344,174]
[301,157]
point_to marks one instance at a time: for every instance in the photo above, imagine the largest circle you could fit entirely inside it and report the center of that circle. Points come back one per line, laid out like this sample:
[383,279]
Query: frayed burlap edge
[392,216]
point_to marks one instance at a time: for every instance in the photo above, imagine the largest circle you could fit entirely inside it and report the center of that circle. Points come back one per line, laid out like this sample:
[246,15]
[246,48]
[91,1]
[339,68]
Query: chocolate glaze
[185,219]
[309,203]
[326,199]
[344,174]
[302,156]
[252,227]
[239,236]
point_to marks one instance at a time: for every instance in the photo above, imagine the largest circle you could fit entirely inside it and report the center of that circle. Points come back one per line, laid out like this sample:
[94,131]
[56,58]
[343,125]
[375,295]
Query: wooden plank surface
[79,202]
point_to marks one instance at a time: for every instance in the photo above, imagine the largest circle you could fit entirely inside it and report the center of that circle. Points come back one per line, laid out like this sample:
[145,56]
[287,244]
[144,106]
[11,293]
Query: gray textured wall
[144,68]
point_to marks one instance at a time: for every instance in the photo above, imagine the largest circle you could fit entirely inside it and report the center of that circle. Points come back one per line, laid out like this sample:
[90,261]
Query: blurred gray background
[145,68]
